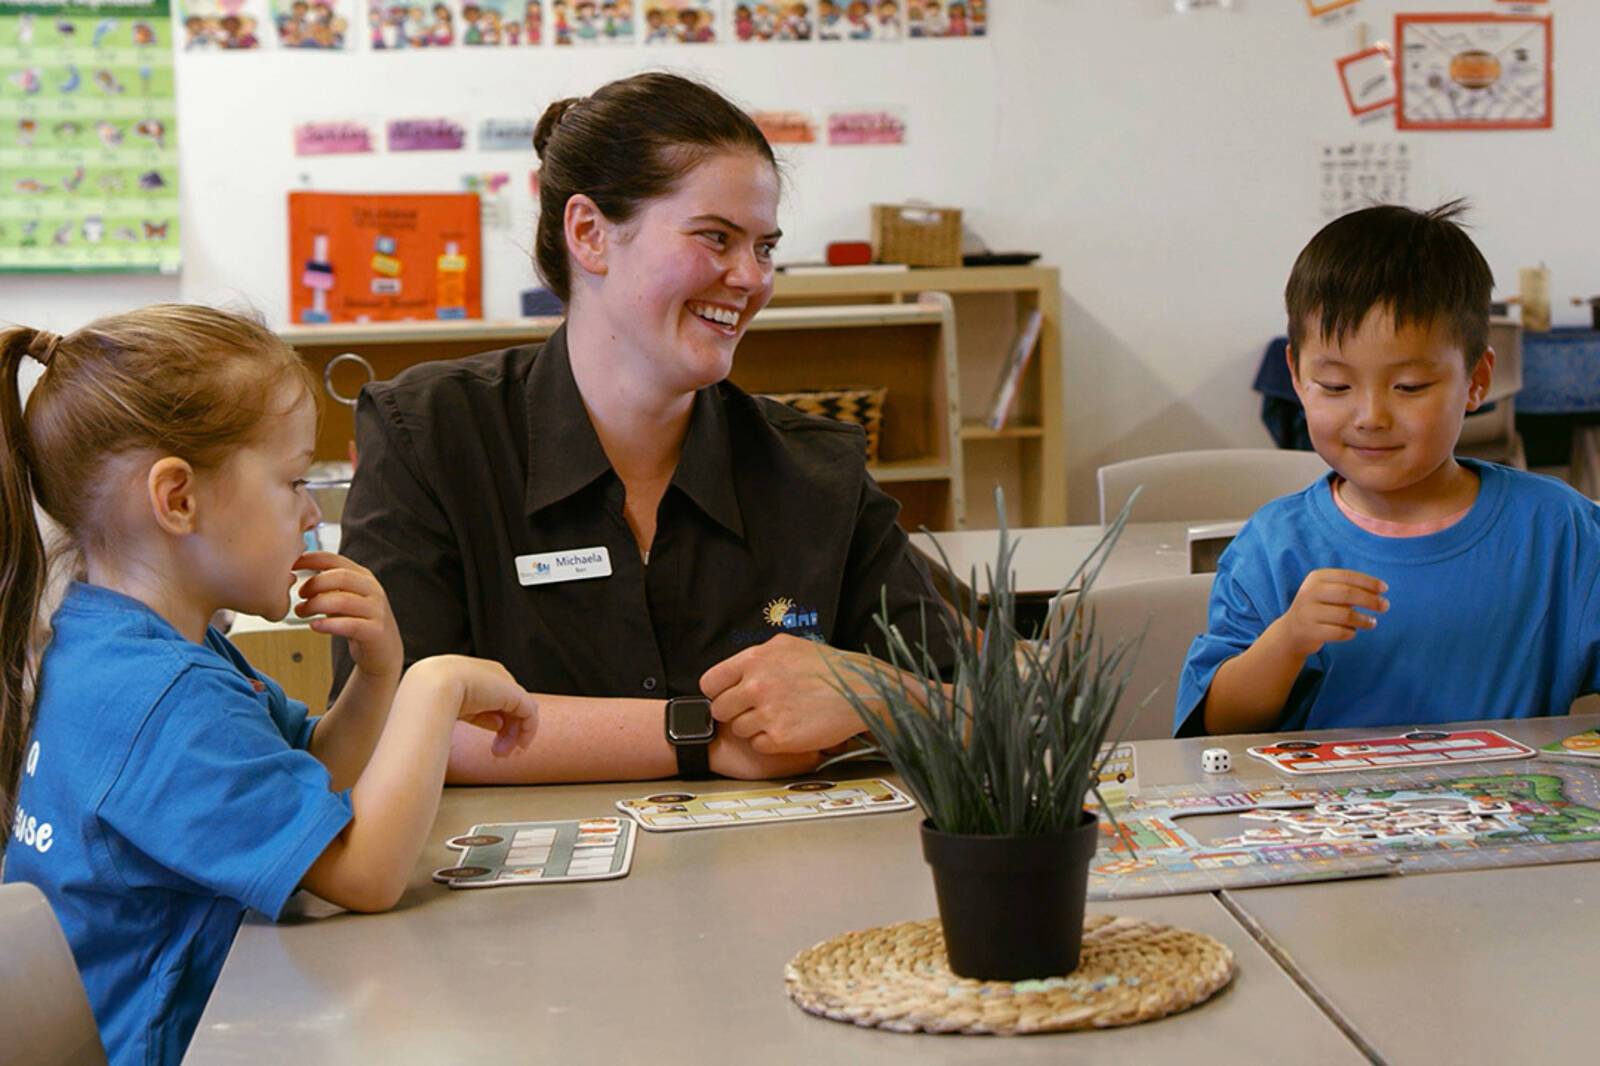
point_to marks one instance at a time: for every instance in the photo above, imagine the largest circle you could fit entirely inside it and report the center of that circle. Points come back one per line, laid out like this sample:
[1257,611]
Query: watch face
[689,721]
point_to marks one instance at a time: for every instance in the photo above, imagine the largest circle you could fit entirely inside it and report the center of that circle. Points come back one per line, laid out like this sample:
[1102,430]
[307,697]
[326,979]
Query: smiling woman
[620,439]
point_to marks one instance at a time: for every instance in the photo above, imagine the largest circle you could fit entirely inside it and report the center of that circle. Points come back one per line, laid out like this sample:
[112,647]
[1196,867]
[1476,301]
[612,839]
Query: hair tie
[43,348]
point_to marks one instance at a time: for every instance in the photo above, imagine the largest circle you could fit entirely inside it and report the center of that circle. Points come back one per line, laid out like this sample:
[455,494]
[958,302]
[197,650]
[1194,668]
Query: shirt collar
[564,455]
[705,470]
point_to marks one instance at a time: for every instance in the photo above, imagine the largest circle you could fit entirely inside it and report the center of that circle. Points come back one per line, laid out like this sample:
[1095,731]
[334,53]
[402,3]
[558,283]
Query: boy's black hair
[1418,264]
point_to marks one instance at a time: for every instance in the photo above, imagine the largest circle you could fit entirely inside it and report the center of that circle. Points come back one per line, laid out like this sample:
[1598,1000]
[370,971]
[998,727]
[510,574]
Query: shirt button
[649,684]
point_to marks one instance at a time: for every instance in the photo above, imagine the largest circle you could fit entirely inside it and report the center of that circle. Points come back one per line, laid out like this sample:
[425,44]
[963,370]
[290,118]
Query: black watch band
[690,729]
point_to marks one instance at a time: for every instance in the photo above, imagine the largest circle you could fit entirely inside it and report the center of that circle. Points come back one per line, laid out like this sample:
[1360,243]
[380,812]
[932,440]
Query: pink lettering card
[879,126]
[427,135]
[333,137]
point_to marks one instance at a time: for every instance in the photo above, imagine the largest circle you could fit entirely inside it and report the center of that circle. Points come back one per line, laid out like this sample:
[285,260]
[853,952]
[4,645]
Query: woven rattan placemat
[896,977]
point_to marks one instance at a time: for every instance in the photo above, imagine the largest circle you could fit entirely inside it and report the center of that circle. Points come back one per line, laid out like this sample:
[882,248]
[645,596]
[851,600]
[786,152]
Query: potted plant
[1001,759]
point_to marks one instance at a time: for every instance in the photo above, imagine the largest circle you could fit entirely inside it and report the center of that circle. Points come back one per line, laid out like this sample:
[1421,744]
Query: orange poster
[384,258]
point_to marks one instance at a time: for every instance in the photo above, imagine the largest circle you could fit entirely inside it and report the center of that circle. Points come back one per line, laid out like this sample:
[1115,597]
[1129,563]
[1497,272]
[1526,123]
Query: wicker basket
[862,406]
[916,235]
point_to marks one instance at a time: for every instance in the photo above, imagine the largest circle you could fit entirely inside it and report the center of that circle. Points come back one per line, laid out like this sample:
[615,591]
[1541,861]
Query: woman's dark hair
[630,141]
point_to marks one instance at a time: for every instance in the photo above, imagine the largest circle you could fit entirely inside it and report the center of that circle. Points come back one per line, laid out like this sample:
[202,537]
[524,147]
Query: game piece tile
[704,819]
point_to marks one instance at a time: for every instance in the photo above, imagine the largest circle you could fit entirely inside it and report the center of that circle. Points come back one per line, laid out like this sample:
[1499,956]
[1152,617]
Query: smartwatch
[690,730]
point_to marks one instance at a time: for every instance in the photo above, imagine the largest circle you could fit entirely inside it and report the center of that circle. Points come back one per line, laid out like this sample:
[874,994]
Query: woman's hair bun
[549,121]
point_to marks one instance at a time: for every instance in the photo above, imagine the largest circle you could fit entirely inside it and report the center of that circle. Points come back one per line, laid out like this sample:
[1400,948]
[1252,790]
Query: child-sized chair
[1170,612]
[1205,486]
[44,1015]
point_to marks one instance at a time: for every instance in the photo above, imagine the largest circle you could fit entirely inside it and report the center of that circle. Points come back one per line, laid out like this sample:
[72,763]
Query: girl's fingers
[339,604]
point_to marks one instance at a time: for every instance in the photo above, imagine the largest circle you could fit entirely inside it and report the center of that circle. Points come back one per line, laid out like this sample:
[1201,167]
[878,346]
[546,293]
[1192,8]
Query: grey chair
[44,1016]
[1209,485]
[1171,612]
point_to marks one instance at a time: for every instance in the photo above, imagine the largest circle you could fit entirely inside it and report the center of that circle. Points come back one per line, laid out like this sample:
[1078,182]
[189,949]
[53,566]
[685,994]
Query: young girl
[159,785]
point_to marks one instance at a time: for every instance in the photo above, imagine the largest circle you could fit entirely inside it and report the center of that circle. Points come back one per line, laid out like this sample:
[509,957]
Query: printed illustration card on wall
[1473,72]
[88,139]
[384,258]
[313,24]
[603,21]
[680,21]
[223,25]
[394,25]
[787,20]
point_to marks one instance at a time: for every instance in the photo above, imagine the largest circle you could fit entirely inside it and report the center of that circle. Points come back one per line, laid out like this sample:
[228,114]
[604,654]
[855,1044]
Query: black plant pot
[1012,907]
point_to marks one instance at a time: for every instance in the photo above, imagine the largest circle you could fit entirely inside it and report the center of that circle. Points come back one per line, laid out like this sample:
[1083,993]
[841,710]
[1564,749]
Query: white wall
[1164,162]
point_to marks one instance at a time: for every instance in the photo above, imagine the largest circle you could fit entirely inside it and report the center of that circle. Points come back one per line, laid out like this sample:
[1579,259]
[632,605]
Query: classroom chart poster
[758,23]
[589,22]
[1474,72]
[679,21]
[88,138]
[223,25]
[397,24]
[384,257]
[312,24]
[1359,173]
[936,18]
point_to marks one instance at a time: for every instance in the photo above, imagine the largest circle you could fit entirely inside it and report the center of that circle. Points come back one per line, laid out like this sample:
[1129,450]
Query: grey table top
[1047,555]
[682,961]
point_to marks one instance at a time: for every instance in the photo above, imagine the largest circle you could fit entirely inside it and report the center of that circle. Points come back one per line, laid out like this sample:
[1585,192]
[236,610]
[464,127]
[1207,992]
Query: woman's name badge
[576,564]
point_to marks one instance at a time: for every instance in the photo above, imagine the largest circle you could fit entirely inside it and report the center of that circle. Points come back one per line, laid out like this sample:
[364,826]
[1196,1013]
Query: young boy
[1408,586]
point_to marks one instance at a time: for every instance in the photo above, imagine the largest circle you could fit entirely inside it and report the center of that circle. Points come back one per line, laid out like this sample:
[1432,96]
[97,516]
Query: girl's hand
[353,606]
[487,696]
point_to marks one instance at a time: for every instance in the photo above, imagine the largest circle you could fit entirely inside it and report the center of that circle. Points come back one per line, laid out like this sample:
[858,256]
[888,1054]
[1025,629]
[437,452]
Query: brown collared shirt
[771,525]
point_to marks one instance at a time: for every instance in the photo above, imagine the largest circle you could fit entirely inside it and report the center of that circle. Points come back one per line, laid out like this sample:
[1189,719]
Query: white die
[1216,761]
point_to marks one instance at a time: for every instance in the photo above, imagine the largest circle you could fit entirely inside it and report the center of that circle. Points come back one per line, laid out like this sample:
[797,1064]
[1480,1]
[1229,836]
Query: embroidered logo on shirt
[783,613]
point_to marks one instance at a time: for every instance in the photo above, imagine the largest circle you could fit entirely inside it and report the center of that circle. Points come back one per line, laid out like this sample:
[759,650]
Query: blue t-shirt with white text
[165,789]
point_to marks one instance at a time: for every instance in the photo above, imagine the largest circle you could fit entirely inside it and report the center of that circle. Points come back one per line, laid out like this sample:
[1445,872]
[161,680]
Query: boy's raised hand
[353,606]
[1324,611]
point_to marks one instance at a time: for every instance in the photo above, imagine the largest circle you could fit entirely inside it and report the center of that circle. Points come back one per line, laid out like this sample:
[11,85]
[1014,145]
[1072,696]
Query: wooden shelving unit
[907,347]
[1027,457]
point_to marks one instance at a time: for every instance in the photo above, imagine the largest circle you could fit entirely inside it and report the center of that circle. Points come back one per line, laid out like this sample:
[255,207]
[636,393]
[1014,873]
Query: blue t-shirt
[1494,617]
[166,788]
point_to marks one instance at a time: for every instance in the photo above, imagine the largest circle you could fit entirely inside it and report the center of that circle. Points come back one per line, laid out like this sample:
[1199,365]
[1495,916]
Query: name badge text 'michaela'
[572,564]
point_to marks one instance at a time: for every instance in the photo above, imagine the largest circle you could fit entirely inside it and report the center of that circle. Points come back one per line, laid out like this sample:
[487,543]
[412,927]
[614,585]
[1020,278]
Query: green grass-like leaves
[1012,746]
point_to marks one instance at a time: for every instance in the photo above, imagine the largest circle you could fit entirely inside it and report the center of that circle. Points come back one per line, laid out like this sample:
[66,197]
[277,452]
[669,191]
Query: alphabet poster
[88,137]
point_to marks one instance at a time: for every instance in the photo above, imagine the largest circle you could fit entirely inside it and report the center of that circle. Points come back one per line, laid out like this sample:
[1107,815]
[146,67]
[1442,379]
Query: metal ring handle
[327,377]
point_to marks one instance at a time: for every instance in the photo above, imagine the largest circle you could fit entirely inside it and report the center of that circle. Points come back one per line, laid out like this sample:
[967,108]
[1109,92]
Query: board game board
[1420,747]
[1579,746]
[523,853]
[667,811]
[1409,821]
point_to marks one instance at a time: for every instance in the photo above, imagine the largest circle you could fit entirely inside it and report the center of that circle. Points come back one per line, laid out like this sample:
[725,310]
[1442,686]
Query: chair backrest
[44,1015]
[1205,486]
[1174,610]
